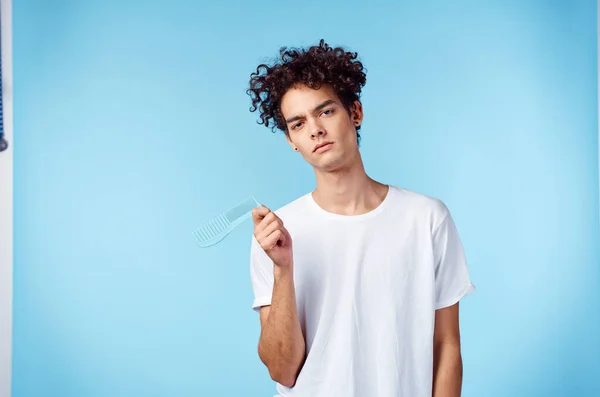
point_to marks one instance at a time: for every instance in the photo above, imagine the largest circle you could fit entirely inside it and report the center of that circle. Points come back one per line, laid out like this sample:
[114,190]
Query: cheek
[343,124]
[344,130]
[302,143]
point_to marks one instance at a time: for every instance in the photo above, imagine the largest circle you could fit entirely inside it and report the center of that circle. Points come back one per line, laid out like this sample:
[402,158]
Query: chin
[330,164]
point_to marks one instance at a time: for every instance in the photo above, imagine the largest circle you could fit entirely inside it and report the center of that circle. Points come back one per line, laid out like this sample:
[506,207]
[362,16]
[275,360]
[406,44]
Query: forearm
[282,345]
[447,371]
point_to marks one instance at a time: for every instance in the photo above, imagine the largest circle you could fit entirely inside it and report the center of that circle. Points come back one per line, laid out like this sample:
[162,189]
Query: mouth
[322,147]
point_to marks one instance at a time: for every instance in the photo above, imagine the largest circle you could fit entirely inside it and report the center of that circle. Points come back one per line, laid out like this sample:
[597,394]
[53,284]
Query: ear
[356,113]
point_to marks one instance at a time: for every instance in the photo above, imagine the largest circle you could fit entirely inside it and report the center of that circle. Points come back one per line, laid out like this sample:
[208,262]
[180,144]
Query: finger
[267,220]
[268,229]
[270,217]
[258,214]
[263,223]
[273,239]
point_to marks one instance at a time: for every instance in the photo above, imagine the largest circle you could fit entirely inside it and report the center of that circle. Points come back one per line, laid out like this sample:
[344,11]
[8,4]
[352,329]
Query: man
[358,282]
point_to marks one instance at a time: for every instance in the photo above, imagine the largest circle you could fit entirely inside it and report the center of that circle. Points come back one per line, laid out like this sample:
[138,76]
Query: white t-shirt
[367,287]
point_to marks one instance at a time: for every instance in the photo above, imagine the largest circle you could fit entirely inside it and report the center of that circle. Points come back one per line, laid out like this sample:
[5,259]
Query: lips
[321,145]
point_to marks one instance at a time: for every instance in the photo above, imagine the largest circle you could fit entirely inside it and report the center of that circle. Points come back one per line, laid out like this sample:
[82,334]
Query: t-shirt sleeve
[452,280]
[261,275]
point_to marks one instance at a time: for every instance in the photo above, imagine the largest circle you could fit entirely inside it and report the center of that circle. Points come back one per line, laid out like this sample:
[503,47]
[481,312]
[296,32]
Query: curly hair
[315,66]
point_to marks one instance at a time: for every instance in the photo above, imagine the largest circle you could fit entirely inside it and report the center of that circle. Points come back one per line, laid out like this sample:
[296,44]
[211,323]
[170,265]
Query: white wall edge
[6,205]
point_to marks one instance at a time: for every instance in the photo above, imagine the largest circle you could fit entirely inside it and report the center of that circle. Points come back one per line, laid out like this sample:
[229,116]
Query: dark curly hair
[315,66]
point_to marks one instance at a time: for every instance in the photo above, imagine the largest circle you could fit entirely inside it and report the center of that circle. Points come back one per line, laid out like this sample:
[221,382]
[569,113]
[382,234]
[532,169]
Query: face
[317,117]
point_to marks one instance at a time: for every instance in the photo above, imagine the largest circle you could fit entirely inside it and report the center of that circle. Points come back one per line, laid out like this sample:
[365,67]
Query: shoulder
[427,208]
[295,209]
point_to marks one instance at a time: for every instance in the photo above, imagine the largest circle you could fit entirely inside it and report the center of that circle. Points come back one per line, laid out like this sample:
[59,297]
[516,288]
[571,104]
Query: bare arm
[282,347]
[447,360]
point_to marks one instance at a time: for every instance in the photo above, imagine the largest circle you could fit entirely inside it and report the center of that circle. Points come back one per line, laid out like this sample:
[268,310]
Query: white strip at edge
[6,205]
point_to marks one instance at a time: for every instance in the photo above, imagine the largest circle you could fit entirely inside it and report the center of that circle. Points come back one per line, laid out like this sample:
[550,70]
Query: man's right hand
[272,236]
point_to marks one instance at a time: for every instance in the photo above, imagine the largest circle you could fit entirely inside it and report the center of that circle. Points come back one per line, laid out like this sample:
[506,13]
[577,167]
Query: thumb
[259,213]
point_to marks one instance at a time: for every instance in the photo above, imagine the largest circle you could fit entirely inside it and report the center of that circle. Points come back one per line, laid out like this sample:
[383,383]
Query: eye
[297,125]
[328,112]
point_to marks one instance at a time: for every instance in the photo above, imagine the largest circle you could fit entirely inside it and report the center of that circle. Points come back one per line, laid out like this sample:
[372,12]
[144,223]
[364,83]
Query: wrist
[283,271]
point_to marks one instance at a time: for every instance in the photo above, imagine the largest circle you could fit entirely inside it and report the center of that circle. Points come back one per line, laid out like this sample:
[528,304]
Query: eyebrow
[319,107]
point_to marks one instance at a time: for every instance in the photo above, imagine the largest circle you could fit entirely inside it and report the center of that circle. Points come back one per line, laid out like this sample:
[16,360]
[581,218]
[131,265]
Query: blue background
[132,128]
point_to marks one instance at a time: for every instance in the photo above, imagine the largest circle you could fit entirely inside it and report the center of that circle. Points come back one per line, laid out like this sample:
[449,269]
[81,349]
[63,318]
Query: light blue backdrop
[132,128]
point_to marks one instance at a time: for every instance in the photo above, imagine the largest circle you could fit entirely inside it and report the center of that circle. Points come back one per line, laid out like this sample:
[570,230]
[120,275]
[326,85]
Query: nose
[317,131]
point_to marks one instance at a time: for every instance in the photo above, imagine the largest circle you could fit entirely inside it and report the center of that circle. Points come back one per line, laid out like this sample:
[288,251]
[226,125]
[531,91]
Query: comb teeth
[215,230]
[212,228]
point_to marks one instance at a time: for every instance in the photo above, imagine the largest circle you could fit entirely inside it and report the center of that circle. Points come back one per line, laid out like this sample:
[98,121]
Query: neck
[348,190]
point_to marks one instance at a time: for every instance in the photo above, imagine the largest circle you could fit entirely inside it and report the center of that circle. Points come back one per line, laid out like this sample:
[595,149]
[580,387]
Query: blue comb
[215,230]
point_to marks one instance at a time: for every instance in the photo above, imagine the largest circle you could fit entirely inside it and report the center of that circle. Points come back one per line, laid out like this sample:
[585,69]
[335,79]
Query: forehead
[301,99]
